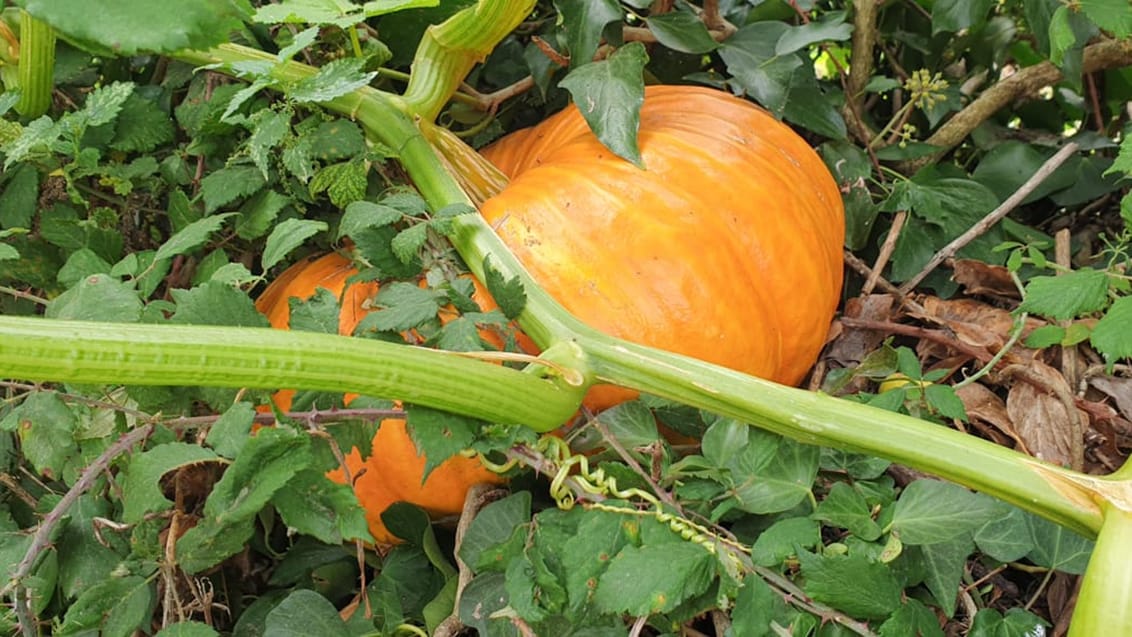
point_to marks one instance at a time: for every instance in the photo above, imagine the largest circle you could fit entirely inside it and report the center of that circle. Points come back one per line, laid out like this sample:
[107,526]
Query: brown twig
[1023,84]
[993,217]
[886,250]
[41,540]
[863,43]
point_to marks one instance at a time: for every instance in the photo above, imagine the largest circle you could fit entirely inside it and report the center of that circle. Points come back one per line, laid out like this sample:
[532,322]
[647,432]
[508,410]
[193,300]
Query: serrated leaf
[214,303]
[360,215]
[439,435]
[19,197]
[141,491]
[191,236]
[654,578]
[270,129]
[344,183]
[142,127]
[831,27]
[403,306]
[1045,336]
[259,212]
[98,297]
[36,136]
[1067,296]
[1111,336]
[228,184]
[102,105]
[314,505]
[45,427]
[508,293]
[333,79]
[287,236]
[407,243]
[930,511]
[584,21]
[304,613]
[682,31]
[232,429]
[912,618]
[609,95]
[126,28]
[319,313]
[874,594]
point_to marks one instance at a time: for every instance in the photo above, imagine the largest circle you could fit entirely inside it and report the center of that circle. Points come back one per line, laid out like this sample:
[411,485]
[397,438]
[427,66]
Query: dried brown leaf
[984,279]
[983,404]
[973,322]
[1118,389]
[1040,405]
[854,344]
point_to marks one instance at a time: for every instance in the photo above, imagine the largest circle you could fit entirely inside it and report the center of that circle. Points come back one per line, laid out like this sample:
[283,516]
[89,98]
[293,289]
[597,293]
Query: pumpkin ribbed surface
[727,248]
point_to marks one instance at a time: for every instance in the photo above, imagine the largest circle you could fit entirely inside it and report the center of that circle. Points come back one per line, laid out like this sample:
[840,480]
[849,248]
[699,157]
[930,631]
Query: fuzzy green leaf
[1111,336]
[874,593]
[192,236]
[215,303]
[314,505]
[1067,296]
[98,297]
[403,306]
[228,184]
[259,212]
[333,79]
[287,236]
[141,492]
[439,435]
[19,197]
[142,127]
[344,183]
[360,215]
[508,293]
[117,607]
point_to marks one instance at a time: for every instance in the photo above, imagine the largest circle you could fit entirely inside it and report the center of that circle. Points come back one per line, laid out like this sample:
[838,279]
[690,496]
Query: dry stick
[41,541]
[1069,353]
[886,251]
[994,217]
[1023,84]
[864,41]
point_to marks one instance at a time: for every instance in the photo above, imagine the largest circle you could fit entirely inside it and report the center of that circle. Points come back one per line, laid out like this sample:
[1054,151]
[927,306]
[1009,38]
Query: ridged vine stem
[174,355]
[1103,606]
[36,66]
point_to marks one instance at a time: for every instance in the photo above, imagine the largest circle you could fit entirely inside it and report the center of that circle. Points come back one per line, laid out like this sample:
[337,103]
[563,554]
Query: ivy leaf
[912,618]
[831,27]
[333,79]
[1017,622]
[126,27]
[654,578]
[141,491]
[493,525]
[1057,547]
[783,539]
[609,95]
[287,236]
[191,236]
[751,60]
[99,297]
[930,511]
[943,564]
[215,303]
[875,593]
[1110,335]
[584,20]
[846,508]
[1070,295]
[682,31]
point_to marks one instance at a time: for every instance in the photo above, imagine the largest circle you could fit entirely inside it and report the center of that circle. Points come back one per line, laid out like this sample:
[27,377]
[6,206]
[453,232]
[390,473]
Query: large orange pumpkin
[727,248]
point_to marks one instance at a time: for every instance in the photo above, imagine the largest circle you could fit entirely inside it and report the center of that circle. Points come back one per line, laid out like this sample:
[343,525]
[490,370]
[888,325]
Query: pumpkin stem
[477,176]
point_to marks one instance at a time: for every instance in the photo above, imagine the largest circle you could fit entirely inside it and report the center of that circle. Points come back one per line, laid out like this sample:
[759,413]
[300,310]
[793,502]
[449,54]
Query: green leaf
[82,263]
[287,236]
[402,306]
[493,525]
[912,618]
[1110,335]
[609,94]
[304,613]
[88,559]
[508,293]
[19,197]
[682,31]
[783,539]
[215,303]
[1067,296]
[1111,15]
[584,20]
[944,400]
[1045,336]
[317,314]
[228,184]
[830,27]
[407,243]
[141,491]
[654,578]
[360,215]
[481,604]
[259,212]
[143,126]
[46,430]
[192,236]
[116,607]
[751,60]
[1006,537]
[439,435]
[952,16]
[344,182]
[756,606]
[187,629]
[782,482]
[133,26]
[1017,622]
[270,129]
[333,79]
[314,505]
[631,423]
[1057,547]
[231,431]
[943,564]
[846,508]
[8,253]
[405,585]
[930,511]
[874,593]
[98,297]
